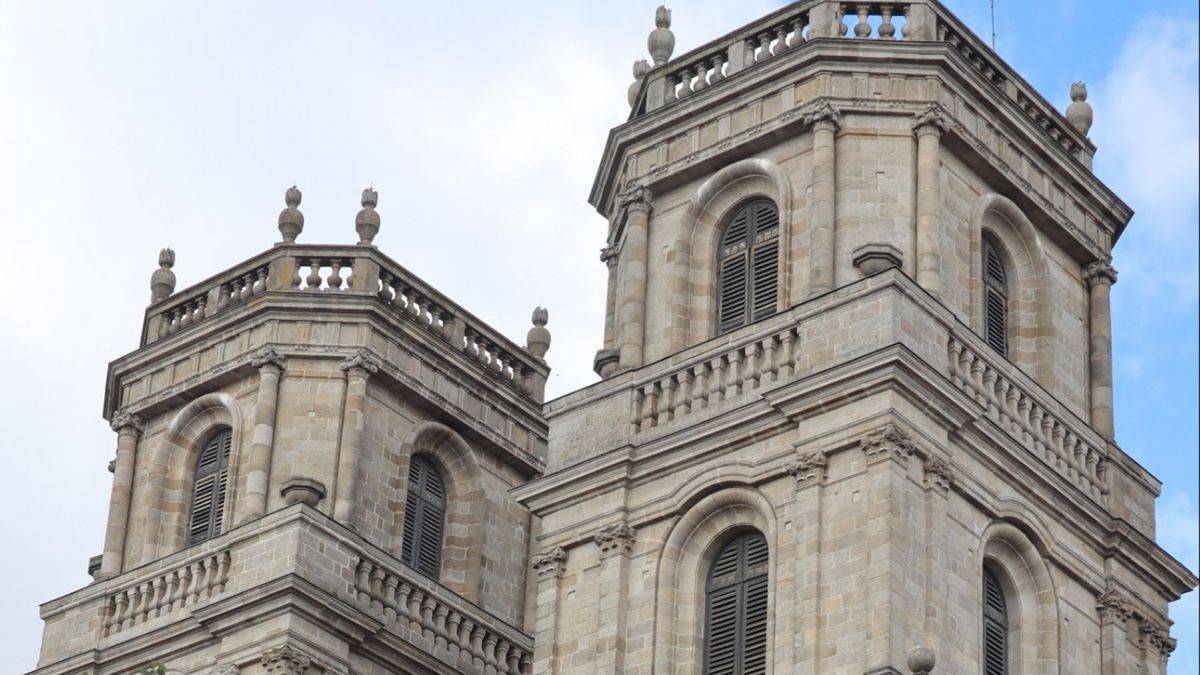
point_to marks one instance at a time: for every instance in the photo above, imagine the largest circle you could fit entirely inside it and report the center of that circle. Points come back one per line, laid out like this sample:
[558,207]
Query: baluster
[754,366]
[123,610]
[672,81]
[797,38]
[700,386]
[385,286]
[247,285]
[314,274]
[1057,435]
[1024,403]
[786,353]
[415,599]
[702,75]
[718,72]
[1003,386]
[389,597]
[375,590]
[781,44]
[977,387]
[886,30]
[685,82]
[181,592]
[1071,450]
[841,19]
[955,355]
[862,30]
[454,636]
[905,29]
[635,411]
[764,39]
[502,655]
[110,613]
[362,582]
[733,382]
[143,602]
[201,305]
[439,626]
[649,403]
[717,380]
[185,315]
[172,591]
[489,649]
[334,283]
[427,607]
[477,634]
[769,367]
[402,594]
[223,297]
[260,283]
[666,407]
[157,588]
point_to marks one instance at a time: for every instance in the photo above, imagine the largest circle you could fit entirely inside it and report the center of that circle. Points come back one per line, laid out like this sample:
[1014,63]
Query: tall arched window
[995,626]
[424,518]
[210,482]
[735,615]
[995,297]
[748,266]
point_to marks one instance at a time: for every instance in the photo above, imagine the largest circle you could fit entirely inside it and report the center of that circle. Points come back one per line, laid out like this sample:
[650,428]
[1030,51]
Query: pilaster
[549,567]
[616,546]
[939,477]
[358,369]
[824,121]
[1115,614]
[928,126]
[129,429]
[270,366]
[809,470]
[631,272]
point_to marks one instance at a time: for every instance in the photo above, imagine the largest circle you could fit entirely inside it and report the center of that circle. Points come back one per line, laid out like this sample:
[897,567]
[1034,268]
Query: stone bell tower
[314,450]
[856,390]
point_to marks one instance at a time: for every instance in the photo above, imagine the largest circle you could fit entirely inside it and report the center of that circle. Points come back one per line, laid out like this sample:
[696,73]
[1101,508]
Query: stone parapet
[106,623]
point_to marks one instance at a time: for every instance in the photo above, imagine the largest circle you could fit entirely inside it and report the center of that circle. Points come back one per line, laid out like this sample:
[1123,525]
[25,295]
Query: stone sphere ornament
[366,223]
[1079,113]
[661,42]
[921,660]
[291,221]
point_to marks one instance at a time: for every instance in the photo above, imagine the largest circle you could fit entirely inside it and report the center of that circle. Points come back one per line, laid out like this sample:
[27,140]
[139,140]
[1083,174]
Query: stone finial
[291,221]
[537,340]
[921,660]
[162,281]
[1079,113]
[640,68]
[871,259]
[367,220]
[661,41]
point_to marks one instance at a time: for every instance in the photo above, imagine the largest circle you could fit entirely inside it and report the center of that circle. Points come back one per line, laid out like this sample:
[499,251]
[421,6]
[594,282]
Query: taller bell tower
[856,388]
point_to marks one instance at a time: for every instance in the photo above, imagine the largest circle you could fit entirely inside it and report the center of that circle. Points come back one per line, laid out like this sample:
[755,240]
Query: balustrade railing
[170,591]
[712,380]
[476,643]
[350,270]
[1038,421]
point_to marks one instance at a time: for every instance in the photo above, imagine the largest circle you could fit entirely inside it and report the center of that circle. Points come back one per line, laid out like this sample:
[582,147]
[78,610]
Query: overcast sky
[127,126]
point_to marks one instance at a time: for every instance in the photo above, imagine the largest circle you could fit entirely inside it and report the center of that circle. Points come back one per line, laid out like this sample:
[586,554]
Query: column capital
[824,114]
[1113,605]
[267,355]
[550,564]
[615,538]
[636,197]
[608,255]
[808,468]
[126,420]
[362,362]
[1155,636]
[1100,272]
[888,442]
[931,120]
[939,474]
[285,660]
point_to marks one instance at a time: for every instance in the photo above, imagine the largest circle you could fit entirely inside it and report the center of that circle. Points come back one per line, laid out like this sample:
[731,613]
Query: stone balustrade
[1067,445]
[711,381]
[797,25]
[349,271]
[445,625]
[170,591]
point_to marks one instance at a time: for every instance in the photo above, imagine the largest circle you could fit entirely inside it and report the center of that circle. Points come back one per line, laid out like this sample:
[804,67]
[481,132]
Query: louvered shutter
[995,627]
[210,484]
[735,620]
[424,518]
[995,298]
[748,266]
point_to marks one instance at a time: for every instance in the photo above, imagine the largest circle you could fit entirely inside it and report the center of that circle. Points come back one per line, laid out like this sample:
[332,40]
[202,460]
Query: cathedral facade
[854,408]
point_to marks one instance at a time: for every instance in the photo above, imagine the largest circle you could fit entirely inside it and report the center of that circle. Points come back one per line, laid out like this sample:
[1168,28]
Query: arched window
[424,518]
[748,266]
[995,297]
[735,614]
[995,626]
[210,483]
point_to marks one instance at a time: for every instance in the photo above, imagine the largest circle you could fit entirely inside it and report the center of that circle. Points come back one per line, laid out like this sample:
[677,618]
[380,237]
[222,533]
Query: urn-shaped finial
[291,221]
[661,41]
[162,281]
[537,340]
[1079,113]
[640,68]
[367,220]
[921,660]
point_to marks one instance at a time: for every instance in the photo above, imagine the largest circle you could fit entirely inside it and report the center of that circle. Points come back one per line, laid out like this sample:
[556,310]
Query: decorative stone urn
[640,68]
[1079,113]
[162,281]
[661,41]
[291,221]
[871,259]
[302,490]
[367,221]
[537,340]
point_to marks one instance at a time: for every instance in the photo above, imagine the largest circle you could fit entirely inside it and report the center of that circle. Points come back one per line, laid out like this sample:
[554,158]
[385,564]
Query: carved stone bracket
[286,660]
[822,111]
[608,255]
[1100,272]
[930,120]
[265,355]
[808,468]
[550,564]
[127,420]
[615,538]
[939,474]
[362,360]
[888,442]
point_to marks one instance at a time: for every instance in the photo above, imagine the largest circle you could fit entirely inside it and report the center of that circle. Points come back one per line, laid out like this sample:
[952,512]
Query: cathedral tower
[857,389]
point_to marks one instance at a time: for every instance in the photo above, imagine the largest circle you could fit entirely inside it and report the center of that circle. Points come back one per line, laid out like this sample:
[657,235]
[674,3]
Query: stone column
[616,546]
[1156,644]
[258,465]
[129,429]
[609,257]
[1100,276]
[809,470]
[1115,611]
[549,568]
[358,368]
[824,121]
[631,304]
[928,127]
